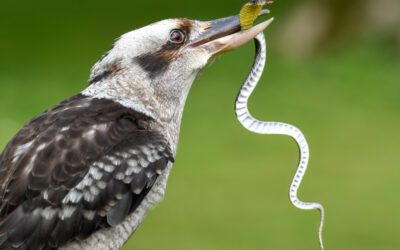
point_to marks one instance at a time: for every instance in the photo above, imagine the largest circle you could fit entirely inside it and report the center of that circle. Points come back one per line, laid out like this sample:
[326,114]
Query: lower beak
[225,34]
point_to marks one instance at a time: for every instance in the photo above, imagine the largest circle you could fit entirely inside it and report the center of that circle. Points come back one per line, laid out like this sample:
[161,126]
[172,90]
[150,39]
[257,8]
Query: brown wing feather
[85,164]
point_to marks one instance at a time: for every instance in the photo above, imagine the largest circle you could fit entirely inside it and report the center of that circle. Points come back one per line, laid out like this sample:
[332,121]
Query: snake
[248,15]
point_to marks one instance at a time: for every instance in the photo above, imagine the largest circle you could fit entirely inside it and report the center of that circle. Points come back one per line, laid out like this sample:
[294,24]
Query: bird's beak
[225,34]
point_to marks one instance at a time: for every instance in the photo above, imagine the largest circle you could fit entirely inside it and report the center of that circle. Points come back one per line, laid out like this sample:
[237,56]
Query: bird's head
[154,67]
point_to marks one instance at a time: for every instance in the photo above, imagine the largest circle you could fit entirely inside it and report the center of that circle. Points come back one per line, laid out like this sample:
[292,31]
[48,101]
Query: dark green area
[228,188]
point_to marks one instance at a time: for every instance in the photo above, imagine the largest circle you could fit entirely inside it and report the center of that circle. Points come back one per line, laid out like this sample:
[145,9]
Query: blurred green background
[333,71]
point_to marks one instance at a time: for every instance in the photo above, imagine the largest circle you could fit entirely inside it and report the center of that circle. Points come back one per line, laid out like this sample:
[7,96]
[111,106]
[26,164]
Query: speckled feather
[84,165]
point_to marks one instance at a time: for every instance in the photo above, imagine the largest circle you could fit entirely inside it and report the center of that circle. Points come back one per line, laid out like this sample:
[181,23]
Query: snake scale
[248,14]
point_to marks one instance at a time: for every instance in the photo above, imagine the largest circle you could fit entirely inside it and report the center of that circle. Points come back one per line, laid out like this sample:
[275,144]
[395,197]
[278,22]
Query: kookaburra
[84,174]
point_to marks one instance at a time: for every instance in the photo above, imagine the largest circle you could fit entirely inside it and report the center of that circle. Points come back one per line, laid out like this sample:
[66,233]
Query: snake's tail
[304,151]
[276,128]
[321,226]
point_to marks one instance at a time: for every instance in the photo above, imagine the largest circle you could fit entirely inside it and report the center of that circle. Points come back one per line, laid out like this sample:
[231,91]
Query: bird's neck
[163,104]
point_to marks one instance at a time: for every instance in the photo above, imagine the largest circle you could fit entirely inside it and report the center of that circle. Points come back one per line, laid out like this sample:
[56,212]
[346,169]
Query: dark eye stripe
[156,63]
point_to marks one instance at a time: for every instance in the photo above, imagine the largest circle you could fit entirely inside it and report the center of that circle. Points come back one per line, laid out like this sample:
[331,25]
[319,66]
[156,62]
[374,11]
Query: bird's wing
[81,166]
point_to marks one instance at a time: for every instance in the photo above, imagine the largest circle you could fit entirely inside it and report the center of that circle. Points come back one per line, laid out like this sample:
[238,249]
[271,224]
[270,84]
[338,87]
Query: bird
[85,173]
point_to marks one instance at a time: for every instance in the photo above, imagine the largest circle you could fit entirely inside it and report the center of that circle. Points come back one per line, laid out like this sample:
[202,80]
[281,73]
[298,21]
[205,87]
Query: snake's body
[275,128]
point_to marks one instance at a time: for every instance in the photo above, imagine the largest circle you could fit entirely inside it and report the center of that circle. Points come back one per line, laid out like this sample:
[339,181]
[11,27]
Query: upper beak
[225,34]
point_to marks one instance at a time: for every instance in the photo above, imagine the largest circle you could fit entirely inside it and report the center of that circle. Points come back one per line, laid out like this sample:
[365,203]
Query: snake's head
[222,35]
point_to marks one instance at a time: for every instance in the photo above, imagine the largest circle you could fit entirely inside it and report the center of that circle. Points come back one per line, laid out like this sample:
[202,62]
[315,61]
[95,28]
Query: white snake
[275,128]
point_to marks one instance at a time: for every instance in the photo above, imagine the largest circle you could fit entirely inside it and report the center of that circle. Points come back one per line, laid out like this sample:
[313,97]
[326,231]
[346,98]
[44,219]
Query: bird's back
[81,166]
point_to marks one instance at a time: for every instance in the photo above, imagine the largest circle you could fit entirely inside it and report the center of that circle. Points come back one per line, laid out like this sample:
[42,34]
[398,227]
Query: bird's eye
[177,36]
